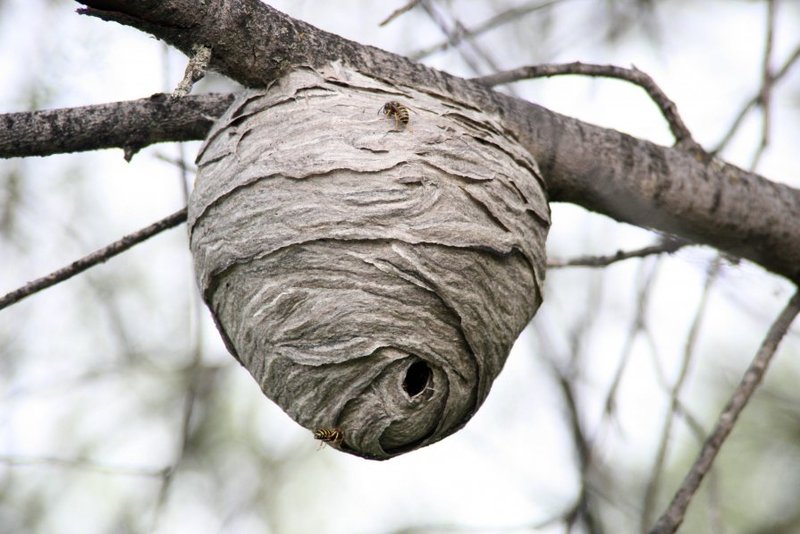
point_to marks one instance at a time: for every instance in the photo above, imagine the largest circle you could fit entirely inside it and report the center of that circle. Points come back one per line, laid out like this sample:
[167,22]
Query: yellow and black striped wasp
[332,435]
[396,111]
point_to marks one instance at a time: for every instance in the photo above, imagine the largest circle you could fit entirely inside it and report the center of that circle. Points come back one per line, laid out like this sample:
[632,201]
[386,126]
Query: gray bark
[129,125]
[346,255]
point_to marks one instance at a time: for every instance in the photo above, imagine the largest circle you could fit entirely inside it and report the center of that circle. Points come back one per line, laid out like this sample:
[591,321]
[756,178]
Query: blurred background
[121,411]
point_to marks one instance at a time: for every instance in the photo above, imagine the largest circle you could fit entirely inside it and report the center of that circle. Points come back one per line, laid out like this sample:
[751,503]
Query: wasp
[397,111]
[333,435]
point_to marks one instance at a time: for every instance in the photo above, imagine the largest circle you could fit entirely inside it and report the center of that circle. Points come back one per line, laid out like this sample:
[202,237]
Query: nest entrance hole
[417,377]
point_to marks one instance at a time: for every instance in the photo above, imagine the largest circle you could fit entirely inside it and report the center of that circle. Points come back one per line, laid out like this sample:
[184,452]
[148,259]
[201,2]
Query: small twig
[673,516]
[179,163]
[195,69]
[510,15]
[453,31]
[668,108]
[399,11]
[766,86]
[638,326]
[667,245]
[672,410]
[756,100]
[92,259]
[583,510]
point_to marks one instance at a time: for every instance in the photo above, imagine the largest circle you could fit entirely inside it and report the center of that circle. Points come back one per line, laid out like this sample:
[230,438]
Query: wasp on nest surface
[334,436]
[396,111]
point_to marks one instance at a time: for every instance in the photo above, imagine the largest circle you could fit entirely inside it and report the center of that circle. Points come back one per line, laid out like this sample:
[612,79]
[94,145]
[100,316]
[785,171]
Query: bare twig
[669,110]
[180,163]
[453,32]
[505,17]
[639,325]
[195,70]
[766,85]
[168,474]
[193,371]
[583,511]
[99,256]
[691,340]
[756,100]
[667,245]
[399,11]
[673,516]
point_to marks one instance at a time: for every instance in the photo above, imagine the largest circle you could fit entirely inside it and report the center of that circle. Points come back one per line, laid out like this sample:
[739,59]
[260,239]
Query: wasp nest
[369,253]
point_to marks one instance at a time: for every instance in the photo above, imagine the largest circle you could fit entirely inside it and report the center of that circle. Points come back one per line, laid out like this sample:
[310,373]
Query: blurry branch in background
[399,11]
[85,465]
[669,110]
[194,373]
[510,15]
[761,98]
[666,245]
[472,55]
[766,85]
[180,163]
[99,256]
[672,409]
[193,389]
[130,125]
[638,326]
[566,369]
[673,516]
[583,512]
[452,32]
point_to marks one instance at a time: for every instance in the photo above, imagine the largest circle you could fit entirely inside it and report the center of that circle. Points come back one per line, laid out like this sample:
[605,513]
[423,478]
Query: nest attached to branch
[370,273]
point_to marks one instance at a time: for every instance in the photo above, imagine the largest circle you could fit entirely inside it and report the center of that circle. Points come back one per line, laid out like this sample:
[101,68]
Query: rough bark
[631,180]
[371,275]
[129,125]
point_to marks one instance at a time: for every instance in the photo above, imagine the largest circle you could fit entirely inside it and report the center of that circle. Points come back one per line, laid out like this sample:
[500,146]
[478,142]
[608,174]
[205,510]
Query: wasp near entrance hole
[396,111]
[334,436]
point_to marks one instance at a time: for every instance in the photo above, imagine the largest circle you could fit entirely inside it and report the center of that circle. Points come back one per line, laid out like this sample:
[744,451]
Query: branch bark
[628,179]
[129,125]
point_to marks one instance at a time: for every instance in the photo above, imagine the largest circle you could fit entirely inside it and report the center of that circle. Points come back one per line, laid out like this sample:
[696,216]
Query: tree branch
[668,108]
[99,256]
[672,518]
[631,180]
[666,245]
[129,125]
[408,6]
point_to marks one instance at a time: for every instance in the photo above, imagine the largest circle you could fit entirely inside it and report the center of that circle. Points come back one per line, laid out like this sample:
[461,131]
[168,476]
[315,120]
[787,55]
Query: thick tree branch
[129,125]
[631,180]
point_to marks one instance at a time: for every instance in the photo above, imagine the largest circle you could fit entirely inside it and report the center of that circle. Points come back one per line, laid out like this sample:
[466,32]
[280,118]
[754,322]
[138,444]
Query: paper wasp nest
[370,272]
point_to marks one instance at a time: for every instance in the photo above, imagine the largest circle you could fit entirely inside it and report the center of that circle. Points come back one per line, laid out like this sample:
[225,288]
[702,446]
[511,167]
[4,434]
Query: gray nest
[371,275]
